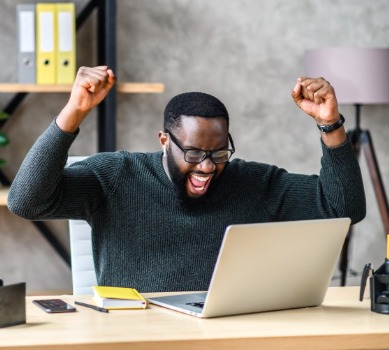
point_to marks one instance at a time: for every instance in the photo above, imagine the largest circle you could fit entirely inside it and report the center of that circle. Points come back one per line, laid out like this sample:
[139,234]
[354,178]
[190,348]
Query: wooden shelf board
[3,196]
[133,88]
[15,87]
[121,87]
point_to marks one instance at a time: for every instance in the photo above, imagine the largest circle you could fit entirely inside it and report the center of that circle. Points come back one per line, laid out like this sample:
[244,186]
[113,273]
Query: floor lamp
[360,76]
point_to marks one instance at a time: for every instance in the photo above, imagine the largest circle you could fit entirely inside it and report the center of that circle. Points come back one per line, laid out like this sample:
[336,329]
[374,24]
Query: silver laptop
[268,267]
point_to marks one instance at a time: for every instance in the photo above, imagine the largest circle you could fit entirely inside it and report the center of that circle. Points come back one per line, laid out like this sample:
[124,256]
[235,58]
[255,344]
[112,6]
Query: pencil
[387,246]
[94,307]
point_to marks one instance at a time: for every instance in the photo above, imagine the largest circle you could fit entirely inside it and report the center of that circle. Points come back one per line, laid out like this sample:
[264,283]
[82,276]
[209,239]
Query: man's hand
[316,97]
[91,86]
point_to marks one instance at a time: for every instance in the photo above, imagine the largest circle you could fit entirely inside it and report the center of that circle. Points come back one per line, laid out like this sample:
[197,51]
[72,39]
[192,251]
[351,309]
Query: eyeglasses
[195,155]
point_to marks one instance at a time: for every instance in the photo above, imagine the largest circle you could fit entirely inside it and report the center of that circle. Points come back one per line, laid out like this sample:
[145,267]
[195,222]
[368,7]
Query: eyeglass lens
[197,156]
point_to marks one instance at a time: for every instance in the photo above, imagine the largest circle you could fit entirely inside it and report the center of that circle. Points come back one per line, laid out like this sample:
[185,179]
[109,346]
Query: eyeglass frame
[208,153]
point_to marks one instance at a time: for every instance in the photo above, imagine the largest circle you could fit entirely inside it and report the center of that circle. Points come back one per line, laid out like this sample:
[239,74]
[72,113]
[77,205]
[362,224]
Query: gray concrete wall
[248,53]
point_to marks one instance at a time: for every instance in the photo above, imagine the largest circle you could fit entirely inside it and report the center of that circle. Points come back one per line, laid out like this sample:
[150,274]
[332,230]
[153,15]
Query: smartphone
[54,305]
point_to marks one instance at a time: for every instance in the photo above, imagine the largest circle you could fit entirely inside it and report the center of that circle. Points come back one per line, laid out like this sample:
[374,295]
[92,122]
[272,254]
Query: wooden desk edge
[320,342]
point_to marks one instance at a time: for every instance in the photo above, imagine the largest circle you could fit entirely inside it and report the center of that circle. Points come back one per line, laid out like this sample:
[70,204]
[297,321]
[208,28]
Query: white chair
[83,268]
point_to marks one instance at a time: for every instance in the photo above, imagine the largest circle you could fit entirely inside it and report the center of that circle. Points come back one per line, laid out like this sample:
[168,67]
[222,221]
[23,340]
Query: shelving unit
[127,88]
[106,34]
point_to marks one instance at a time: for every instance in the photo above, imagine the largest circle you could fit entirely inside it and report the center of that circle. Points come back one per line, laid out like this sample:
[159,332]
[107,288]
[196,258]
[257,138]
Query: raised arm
[338,191]
[43,188]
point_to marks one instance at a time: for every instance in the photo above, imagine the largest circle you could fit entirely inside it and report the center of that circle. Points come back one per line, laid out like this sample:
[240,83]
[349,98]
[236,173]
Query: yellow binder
[46,43]
[66,43]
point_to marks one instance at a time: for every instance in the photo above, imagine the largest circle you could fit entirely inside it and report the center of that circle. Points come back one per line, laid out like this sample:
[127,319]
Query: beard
[179,180]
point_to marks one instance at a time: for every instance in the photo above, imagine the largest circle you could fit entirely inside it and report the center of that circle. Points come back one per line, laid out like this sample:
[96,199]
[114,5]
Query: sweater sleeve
[337,192]
[341,182]
[44,189]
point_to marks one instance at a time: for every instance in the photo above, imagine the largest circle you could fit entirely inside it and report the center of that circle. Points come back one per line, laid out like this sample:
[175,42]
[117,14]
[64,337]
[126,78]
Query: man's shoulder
[121,155]
[252,170]
[238,164]
[123,158]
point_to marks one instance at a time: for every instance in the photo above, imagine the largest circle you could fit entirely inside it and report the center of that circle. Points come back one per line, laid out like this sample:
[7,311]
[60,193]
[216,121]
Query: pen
[101,309]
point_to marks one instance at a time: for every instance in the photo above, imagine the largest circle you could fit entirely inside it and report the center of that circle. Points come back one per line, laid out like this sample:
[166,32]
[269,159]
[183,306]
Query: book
[118,298]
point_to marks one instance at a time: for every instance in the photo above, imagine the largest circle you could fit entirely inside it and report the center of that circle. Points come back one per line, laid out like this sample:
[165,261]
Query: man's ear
[163,139]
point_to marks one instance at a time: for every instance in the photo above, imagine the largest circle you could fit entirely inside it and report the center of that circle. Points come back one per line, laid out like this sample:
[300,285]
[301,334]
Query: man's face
[195,180]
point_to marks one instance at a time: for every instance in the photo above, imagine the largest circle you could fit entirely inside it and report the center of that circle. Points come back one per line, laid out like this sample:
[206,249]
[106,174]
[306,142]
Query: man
[158,218]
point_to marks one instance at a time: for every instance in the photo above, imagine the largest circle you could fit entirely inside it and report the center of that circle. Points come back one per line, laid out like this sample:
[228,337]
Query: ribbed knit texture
[143,237]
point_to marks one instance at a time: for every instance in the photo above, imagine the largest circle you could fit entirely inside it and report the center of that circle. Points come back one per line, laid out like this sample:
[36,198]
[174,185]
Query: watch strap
[332,127]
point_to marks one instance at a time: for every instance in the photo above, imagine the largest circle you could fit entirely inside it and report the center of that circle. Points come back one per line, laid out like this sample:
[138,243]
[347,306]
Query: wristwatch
[332,127]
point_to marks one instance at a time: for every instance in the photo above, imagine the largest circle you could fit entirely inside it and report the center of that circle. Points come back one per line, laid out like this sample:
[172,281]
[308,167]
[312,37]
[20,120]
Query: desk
[342,322]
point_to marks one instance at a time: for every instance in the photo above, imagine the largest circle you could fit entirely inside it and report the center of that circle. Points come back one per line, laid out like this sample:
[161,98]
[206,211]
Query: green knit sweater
[142,235]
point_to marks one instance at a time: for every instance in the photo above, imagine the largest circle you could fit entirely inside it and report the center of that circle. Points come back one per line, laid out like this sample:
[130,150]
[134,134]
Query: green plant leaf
[3,116]
[3,139]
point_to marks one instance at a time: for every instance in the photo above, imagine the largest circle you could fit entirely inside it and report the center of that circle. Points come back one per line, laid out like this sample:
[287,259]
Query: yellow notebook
[118,298]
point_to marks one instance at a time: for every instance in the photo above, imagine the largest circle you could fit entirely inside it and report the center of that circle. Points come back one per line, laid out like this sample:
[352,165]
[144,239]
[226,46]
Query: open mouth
[197,185]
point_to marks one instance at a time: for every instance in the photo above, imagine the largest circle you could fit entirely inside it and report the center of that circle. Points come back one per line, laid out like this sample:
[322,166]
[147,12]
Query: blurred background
[247,53]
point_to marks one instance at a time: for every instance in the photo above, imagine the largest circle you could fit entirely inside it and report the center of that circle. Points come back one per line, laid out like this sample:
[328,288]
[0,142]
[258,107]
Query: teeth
[201,178]
[199,188]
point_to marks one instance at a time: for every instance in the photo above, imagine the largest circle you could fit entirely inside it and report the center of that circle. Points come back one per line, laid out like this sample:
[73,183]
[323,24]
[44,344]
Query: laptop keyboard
[199,304]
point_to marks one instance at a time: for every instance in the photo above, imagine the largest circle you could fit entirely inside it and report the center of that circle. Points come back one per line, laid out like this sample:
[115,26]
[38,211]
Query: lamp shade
[358,75]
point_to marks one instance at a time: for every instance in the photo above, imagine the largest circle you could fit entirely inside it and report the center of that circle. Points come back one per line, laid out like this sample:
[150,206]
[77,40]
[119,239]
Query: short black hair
[193,104]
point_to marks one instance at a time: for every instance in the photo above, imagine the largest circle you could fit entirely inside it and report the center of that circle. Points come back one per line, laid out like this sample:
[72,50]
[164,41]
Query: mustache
[196,172]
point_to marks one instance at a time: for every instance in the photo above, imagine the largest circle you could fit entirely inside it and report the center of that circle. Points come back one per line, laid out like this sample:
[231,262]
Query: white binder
[26,43]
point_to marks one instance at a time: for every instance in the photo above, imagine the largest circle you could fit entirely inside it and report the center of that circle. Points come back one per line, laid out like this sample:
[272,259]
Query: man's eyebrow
[201,149]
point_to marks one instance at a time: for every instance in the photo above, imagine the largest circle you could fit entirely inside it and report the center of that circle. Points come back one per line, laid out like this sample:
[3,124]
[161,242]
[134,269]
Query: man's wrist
[70,119]
[332,127]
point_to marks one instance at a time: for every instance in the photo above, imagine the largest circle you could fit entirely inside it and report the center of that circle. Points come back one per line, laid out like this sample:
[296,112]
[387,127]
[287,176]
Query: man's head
[195,122]
[197,104]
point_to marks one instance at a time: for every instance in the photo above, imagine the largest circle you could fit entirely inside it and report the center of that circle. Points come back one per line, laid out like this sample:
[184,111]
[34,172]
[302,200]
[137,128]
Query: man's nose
[207,165]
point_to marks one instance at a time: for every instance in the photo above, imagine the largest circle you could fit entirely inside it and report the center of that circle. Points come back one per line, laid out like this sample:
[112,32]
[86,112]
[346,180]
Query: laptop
[267,267]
